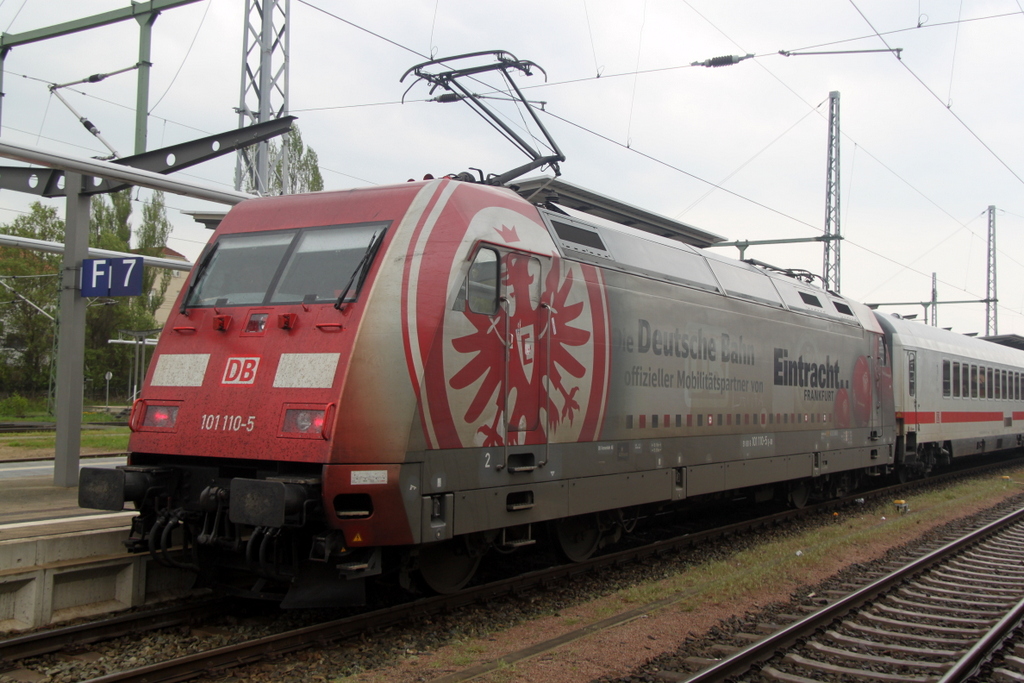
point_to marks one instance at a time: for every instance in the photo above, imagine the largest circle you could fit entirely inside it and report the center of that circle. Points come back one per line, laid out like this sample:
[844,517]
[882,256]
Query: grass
[466,653]
[789,560]
[87,417]
[113,439]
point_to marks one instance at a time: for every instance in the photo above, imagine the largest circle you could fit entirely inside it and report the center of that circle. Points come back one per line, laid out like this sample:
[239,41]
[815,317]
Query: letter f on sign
[98,272]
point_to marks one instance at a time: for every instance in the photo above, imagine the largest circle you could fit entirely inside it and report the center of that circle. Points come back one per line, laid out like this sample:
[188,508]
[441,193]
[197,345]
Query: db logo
[240,371]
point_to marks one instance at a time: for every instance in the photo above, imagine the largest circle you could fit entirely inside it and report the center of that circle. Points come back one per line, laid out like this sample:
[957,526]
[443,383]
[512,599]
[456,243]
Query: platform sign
[111,276]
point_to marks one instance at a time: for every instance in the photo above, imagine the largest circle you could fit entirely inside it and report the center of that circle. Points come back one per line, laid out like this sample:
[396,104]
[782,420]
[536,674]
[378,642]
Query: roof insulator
[449,97]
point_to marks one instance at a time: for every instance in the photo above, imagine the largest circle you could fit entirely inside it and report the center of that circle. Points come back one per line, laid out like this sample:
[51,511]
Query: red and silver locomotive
[406,376]
[398,379]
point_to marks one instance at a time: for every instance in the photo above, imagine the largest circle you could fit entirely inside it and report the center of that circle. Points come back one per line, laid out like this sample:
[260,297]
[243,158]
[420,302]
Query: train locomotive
[396,380]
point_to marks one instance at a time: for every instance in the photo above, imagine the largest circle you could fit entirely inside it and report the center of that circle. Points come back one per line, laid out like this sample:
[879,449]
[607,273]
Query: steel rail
[45,642]
[986,647]
[765,649]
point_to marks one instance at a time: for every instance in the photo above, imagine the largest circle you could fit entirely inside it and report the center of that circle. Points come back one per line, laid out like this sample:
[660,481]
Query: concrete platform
[36,498]
[59,562]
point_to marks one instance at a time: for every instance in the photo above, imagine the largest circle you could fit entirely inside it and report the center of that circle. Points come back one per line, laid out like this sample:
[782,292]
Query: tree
[303,166]
[32,285]
[32,280]
[110,228]
[151,239]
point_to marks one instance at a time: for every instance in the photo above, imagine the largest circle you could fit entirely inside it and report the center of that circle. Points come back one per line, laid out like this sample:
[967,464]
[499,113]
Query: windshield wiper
[361,270]
[196,274]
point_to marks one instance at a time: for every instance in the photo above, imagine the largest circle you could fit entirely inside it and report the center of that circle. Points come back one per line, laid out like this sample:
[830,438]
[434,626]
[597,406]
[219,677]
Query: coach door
[912,386]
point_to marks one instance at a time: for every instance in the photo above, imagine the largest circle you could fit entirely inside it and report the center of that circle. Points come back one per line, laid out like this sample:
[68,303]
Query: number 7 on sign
[126,276]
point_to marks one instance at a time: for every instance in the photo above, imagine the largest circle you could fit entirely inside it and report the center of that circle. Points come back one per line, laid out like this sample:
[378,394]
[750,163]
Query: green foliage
[30,287]
[29,294]
[111,229]
[15,406]
[303,166]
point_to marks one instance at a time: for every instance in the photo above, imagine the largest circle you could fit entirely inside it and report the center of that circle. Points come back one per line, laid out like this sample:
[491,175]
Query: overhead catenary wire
[593,46]
[746,163]
[639,51]
[651,71]
[637,71]
[183,59]
[938,99]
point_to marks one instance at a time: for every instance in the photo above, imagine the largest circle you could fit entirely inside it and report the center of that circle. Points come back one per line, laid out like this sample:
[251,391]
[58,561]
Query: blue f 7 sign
[111,276]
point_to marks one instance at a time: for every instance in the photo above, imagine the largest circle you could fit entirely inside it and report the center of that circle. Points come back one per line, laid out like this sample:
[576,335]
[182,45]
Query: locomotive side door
[526,321]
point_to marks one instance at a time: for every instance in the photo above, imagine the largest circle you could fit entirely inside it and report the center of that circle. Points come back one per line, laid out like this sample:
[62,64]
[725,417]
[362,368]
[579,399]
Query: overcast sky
[929,140]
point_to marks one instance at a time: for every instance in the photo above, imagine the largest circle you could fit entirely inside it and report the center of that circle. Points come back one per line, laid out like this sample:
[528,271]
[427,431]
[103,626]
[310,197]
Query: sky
[930,138]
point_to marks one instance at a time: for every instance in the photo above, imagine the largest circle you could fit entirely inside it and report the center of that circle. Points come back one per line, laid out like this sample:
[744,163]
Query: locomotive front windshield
[308,265]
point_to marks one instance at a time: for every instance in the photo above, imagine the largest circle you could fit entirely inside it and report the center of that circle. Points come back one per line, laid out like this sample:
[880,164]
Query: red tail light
[160,416]
[304,421]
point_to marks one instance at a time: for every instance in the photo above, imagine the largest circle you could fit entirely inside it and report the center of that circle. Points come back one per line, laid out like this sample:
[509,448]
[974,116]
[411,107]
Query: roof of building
[1014,341]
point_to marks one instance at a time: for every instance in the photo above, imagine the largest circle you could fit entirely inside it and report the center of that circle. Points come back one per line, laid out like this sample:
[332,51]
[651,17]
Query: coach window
[482,283]
[966,381]
[1016,386]
[974,381]
[990,385]
[956,380]
[947,386]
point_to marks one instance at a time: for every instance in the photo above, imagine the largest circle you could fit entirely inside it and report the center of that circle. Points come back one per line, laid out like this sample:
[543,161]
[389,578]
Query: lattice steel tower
[830,262]
[991,297]
[264,91]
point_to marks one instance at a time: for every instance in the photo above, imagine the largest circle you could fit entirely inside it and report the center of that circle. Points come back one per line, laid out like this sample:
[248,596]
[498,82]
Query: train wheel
[447,567]
[799,493]
[578,537]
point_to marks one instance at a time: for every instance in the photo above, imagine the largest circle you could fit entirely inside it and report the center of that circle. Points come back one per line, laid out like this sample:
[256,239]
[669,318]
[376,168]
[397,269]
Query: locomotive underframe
[232,520]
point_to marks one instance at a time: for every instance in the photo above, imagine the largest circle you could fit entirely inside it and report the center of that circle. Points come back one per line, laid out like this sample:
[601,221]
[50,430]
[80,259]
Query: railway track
[293,640]
[940,617]
[77,635]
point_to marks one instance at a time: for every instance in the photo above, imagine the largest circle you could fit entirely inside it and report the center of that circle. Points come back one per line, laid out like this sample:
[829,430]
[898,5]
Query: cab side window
[482,283]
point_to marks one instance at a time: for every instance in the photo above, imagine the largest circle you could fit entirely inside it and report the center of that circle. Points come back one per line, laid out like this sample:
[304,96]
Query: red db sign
[240,371]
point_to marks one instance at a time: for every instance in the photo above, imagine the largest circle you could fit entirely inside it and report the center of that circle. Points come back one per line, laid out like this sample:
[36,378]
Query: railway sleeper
[875,659]
[977,582]
[930,638]
[977,564]
[978,605]
[916,626]
[806,663]
[971,606]
[939,617]
[1009,575]
[958,587]
[838,637]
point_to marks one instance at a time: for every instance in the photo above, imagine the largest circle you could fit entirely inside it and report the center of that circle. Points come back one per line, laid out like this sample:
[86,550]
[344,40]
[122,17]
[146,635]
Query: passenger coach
[955,395]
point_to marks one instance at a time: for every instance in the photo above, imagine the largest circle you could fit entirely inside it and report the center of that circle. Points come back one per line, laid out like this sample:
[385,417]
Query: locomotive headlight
[304,421]
[160,416]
